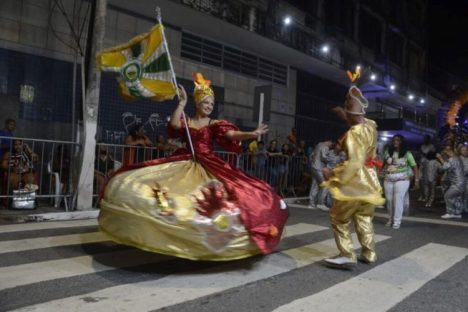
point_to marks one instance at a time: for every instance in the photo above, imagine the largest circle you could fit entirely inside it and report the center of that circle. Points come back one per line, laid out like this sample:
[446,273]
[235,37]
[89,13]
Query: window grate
[216,54]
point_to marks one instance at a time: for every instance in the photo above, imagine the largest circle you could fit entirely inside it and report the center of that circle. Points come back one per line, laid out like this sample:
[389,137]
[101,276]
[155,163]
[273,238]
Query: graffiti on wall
[152,124]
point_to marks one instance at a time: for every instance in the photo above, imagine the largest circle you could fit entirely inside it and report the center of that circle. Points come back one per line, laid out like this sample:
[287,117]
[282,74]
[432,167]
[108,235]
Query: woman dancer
[195,207]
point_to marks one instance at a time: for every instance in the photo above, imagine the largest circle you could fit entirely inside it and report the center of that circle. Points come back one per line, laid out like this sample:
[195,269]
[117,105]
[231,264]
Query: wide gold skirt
[154,208]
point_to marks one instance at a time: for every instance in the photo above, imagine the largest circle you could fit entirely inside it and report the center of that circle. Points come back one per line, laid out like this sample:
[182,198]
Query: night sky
[448,36]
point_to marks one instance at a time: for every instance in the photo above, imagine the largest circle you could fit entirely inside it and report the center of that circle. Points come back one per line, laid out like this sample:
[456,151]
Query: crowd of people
[427,170]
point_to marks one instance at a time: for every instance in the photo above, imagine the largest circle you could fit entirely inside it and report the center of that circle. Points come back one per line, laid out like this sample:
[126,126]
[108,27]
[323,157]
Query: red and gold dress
[201,209]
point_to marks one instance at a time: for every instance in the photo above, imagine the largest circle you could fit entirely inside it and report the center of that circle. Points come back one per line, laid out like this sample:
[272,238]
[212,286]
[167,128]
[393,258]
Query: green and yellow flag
[143,65]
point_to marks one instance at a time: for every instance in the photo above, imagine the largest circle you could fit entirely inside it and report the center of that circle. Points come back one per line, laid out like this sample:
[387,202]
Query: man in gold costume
[354,184]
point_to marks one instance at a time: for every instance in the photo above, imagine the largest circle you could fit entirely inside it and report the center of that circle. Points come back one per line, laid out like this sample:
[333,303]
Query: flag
[143,66]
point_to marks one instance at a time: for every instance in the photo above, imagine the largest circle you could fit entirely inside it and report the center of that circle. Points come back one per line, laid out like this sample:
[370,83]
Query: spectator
[6,133]
[335,156]
[161,146]
[429,183]
[61,164]
[261,156]
[400,167]
[19,166]
[283,166]
[463,152]
[317,193]
[454,183]
[139,141]
[174,144]
[425,148]
[103,167]
[292,137]
[273,148]
[252,151]
[273,155]
[301,148]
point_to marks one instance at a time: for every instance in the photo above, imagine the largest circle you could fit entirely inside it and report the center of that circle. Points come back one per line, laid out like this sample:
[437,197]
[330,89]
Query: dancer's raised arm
[177,114]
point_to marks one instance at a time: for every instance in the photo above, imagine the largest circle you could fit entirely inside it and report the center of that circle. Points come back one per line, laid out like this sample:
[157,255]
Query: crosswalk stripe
[427,220]
[47,270]
[45,225]
[173,289]
[405,218]
[390,282]
[302,228]
[94,237]
[24,274]
[53,241]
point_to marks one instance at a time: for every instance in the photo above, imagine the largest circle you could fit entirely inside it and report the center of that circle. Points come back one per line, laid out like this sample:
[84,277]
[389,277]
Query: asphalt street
[70,266]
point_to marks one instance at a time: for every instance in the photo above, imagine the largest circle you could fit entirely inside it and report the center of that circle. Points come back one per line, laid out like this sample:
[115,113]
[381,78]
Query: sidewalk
[44,213]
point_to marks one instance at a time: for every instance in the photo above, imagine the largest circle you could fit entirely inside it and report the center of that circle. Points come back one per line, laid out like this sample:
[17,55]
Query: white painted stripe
[292,200]
[47,270]
[301,206]
[390,282]
[427,220]
[45,225]
[24,274]
[173,289]
[84,238]
[412,219]
[52,241]
[302,228]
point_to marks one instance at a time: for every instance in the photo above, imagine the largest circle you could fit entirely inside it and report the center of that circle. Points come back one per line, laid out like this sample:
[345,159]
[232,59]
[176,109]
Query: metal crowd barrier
[36,172]
[45,169]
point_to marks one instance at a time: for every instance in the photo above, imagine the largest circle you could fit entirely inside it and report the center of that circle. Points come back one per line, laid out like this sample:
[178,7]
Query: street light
[422,101]
[325,48]
[287,20]
[392,87]
[410,97]
[373,77]
[358,67]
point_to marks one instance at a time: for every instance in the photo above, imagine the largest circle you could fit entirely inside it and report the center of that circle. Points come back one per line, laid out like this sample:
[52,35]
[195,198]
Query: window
[213,53]
[395,47]
[370,31]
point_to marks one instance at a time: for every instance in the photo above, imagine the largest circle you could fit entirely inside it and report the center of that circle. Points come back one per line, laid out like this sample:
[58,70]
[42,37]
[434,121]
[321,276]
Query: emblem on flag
[143,66]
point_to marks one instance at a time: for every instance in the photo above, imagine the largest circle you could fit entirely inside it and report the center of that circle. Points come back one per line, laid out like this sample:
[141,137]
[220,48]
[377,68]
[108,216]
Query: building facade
[242,46]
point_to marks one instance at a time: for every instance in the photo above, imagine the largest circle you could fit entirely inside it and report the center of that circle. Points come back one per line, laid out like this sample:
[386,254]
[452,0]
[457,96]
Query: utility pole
[90,107]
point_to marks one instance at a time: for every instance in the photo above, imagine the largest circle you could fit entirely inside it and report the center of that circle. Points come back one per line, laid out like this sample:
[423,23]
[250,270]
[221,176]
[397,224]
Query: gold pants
[362,214]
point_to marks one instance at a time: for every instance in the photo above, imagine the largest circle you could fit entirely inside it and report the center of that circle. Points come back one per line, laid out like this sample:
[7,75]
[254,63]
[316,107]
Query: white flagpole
[174,80]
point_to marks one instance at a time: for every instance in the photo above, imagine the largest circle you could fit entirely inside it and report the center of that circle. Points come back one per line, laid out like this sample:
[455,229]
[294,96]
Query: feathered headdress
[356,103]
[202,88]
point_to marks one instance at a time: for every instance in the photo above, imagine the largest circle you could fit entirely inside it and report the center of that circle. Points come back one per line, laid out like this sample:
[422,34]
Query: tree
[90,109]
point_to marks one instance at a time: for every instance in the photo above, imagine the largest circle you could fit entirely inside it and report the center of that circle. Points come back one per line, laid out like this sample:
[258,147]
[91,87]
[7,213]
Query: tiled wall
[29,26]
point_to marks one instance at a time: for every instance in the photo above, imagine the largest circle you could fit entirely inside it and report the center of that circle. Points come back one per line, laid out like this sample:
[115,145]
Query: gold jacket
[355,179]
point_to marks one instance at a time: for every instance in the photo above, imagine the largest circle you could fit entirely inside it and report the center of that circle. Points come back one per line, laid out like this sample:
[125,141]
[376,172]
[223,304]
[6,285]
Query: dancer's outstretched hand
[260,130]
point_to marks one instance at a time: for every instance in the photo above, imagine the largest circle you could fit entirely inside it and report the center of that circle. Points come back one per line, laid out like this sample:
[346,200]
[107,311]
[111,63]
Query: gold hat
[355,103]
[202,88]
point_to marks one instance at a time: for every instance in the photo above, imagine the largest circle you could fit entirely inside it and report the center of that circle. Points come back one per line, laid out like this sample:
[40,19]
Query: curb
[53,216]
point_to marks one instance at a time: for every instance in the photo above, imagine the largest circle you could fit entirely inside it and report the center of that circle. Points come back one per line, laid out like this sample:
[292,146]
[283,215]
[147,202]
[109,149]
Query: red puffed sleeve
[219,129]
